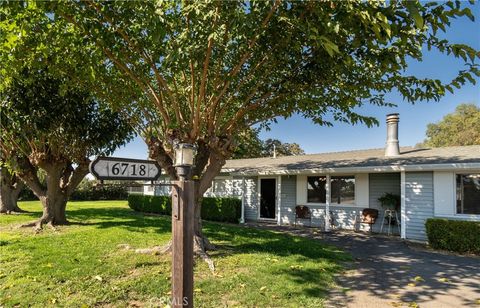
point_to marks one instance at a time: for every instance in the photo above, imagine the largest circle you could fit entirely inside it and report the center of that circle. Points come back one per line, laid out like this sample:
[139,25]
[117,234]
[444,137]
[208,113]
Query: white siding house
[431,183]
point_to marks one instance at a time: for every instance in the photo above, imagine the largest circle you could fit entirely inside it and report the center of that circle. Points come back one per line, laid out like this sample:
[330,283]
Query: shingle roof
[409,156]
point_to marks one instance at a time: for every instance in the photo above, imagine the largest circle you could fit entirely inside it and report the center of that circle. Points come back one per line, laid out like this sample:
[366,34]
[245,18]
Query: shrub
[26,194]
[221,209]
[215,209]
[454,235]
[151,204]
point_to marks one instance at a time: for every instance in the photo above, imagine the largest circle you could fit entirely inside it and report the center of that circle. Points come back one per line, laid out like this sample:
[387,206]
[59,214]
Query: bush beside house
[454,235]
[215,209]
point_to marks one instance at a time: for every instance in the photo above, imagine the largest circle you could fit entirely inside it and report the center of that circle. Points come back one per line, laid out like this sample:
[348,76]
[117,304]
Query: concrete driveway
[388,272]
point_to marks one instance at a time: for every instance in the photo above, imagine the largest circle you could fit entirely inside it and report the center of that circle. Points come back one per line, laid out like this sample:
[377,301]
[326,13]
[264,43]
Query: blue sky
[413,118]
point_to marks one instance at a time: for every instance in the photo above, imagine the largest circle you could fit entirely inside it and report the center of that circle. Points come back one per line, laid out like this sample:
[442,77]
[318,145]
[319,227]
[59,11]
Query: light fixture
[184,154]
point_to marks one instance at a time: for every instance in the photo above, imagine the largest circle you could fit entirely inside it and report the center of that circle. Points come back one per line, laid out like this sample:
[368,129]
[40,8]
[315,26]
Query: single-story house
[336,187]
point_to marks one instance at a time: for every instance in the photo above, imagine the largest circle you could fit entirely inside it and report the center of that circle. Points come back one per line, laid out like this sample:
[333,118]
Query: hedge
[215,209]
[454,235]
[90,194]
[100,193]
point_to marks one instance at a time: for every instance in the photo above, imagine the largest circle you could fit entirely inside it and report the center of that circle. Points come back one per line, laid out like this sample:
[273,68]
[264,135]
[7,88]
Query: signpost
[114,168]
[183,203]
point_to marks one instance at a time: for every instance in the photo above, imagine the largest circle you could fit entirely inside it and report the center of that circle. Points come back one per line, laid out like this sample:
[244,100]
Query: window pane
[468,193]
[316,192]
[343,189]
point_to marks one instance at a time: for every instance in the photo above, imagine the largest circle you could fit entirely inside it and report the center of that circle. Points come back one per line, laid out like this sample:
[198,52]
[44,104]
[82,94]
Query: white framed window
[316,189]
[342,189]
[468,193]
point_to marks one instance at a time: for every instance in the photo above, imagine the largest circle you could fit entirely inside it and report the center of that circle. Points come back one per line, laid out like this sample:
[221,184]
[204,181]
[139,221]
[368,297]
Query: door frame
[259,195]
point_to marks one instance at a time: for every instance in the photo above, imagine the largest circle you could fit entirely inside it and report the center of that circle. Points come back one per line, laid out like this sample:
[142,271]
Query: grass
[82,264]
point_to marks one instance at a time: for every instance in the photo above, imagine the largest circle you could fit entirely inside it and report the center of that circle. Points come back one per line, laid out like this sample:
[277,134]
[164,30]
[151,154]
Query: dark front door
[267,198]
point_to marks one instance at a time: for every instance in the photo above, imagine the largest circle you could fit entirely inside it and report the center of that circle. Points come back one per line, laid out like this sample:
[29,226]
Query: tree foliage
[48,124]
[462,127]
[251,146]
[280,148]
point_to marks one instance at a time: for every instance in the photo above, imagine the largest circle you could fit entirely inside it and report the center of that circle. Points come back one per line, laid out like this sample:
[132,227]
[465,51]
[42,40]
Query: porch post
[327,206]
[279,199]
[242,217]
[403,211]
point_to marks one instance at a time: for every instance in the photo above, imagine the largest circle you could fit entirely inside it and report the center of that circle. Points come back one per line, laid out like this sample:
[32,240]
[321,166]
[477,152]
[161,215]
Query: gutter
[371,169]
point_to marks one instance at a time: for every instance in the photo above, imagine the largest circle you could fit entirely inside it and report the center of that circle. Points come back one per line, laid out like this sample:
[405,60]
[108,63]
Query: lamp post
[183,202]
[184,157]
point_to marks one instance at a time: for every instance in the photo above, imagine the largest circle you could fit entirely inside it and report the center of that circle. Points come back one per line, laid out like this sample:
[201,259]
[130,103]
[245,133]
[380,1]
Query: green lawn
[82,264]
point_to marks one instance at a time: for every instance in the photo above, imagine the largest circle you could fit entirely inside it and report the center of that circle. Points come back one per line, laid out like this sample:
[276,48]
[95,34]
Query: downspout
[327,206]
[242,217]
[403,210]
[279,199]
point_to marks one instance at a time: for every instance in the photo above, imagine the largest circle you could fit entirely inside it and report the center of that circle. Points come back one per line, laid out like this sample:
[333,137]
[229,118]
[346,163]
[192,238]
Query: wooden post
[182,245]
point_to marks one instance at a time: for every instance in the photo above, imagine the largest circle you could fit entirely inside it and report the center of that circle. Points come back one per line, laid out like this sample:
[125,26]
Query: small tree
[462,127]
[49,124]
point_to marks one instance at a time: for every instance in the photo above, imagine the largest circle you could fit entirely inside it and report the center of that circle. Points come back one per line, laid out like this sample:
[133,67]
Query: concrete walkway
[388,272]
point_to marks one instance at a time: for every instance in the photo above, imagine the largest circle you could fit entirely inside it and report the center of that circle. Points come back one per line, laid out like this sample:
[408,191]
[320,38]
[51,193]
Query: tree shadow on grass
[308,281]
[119,217]
[308,277]
[248,240]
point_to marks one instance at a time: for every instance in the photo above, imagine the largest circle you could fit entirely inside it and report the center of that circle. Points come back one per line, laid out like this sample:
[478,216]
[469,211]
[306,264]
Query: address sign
[115,168]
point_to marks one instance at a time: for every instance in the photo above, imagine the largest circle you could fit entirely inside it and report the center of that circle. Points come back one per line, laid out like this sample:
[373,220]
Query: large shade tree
[49,124]
[203,71]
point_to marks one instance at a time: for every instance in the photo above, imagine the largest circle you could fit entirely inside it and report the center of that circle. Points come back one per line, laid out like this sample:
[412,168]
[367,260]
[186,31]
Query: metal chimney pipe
[392,148]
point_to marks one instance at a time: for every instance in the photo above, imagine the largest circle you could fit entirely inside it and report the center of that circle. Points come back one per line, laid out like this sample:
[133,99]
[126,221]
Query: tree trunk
[201,243]
[208,164]
[55,199]
[11,186]
[53,206]
[61,181]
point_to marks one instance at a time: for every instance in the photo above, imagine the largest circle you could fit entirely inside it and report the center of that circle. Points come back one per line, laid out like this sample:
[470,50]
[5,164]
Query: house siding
[288,199]
[251,196]
[381,183]
[344,217]
[418,203]
[225,186]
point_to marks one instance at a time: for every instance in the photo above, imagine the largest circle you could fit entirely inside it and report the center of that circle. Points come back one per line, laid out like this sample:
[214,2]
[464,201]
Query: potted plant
[390,201]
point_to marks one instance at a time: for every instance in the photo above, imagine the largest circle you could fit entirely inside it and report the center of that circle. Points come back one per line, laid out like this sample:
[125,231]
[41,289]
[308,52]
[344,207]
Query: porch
[274,198]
